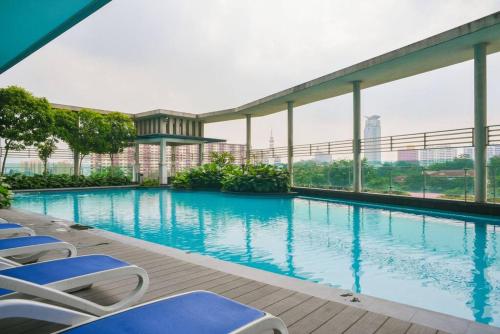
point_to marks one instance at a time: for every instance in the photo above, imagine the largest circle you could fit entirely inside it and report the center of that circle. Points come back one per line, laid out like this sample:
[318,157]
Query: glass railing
[413,181]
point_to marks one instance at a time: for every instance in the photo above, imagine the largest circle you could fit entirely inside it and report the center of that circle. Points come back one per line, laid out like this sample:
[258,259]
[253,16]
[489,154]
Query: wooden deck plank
[287,303]
[367,324]
[271,298]
[394,326]
[419,329]
[301,310]
[341,322]
[316,318]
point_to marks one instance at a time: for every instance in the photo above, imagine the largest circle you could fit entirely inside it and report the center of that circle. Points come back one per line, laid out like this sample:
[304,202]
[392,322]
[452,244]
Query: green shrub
[5,194]
[208,176]
[39,181]
[150,182]
[220,173]
[259,178]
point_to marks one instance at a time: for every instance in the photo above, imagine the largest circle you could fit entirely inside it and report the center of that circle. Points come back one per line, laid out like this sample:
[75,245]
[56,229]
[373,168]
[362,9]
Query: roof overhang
[176,139]
[27,25]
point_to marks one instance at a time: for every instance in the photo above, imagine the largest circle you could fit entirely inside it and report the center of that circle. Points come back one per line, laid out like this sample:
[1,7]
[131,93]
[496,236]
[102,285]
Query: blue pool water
[435,261]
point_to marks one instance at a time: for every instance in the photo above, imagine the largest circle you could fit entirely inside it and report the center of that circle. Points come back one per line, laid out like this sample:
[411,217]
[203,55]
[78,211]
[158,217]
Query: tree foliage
[119,133]
[45,150]
[24,119]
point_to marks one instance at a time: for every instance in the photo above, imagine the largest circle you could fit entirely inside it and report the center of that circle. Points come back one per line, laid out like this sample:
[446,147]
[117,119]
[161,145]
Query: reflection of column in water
[422,235]
[137,216]
[248,237]
[173,221]
[76,208]
[481,288]
[44,198]
[390,223]
[163,216]
[356,249]
[201,229]
[290,239]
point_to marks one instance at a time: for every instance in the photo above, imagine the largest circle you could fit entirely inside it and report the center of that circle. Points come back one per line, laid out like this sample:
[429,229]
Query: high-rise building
[432,156]
[491,151]
[372,140]
[408,155]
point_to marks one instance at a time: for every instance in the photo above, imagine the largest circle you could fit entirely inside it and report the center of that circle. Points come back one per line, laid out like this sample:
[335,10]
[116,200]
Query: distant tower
[372,140]
[272,159]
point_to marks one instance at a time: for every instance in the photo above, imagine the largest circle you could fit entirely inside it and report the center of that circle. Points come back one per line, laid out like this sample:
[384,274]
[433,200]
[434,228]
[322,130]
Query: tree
[45,150]
[118,133]
[82,131]
[24,120]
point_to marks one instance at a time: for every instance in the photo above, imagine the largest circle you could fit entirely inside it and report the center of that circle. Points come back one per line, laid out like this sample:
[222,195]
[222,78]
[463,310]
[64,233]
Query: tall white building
[372,140]
[491,151]
[432,156]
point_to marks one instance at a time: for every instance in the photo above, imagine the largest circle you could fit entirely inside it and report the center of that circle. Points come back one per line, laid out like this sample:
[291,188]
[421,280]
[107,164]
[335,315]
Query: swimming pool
[435,261]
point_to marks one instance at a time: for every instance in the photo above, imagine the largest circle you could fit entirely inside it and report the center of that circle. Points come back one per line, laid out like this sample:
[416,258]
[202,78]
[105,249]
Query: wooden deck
[301,313]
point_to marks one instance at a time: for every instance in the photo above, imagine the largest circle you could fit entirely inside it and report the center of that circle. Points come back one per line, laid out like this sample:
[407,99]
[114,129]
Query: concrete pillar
[290,139]
[480,122]
[137,167]
[201,148]
[249,138]
[163,172]
[172,161]
[356,136]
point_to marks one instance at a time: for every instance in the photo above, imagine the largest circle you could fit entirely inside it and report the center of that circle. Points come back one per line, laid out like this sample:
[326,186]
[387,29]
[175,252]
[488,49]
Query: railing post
[465,184]
[424,182]
[494,184]
[390,180]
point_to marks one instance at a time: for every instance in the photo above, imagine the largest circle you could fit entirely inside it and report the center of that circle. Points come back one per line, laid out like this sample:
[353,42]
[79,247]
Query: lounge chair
[29,249]
[52,280]
[8,229]
[190,313]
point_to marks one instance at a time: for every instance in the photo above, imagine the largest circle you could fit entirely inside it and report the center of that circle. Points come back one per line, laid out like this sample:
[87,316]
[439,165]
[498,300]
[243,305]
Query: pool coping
[417,315]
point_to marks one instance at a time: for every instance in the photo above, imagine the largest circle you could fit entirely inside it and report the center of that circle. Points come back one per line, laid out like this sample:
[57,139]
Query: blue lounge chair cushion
[61,269]
[193,313]
[26,241]
[9,225]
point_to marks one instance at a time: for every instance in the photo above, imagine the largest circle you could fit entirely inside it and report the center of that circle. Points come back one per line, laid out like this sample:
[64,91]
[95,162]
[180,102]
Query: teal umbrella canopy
[27,25]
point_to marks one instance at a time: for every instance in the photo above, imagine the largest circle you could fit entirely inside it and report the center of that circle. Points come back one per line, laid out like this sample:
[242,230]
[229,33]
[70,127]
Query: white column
[249,137]
[163,163]
[137,167]
[290,138]
[480,123]
[356,136]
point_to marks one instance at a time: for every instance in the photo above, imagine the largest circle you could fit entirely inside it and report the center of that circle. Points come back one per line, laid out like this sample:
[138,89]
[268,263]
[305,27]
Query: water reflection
[440,262]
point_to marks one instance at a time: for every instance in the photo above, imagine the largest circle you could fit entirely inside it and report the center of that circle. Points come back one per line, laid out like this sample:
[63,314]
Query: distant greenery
[397,178]
[5,194]
[150,182]
[221,174]
[104,177]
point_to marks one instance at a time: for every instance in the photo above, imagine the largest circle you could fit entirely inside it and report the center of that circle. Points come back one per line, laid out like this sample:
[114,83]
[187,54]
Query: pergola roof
[27,25]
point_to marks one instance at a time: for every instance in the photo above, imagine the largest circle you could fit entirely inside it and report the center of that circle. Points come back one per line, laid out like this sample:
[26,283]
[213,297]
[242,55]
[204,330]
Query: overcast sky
[199,56]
